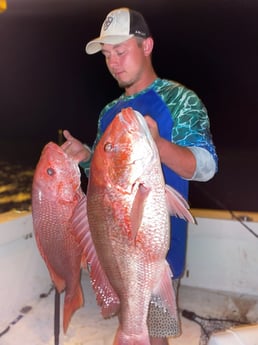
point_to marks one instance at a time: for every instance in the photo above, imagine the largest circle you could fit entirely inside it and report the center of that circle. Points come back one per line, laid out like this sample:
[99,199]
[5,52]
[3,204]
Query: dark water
[18,159]
[15,186]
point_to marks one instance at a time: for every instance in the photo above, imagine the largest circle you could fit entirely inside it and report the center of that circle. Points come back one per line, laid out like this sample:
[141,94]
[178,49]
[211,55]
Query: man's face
[125,61]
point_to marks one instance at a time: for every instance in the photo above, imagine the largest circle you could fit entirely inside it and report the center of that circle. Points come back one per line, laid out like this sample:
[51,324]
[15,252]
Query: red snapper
[128,212]
[60,223]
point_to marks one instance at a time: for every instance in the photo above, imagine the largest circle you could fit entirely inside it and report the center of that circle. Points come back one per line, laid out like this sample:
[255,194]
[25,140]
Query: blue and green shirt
[182,119]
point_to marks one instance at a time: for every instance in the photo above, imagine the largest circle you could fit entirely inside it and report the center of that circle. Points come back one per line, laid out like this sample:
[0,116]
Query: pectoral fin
[177,205]
[137,209]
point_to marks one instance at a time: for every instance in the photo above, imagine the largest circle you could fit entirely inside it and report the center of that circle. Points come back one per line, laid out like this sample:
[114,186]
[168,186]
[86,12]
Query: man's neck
[141,85]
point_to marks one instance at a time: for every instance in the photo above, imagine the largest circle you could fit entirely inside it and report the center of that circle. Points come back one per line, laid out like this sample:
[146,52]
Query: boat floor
[34,325]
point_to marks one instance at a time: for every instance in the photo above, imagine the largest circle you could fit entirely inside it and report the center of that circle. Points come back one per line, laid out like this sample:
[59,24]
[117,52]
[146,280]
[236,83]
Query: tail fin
[71,304]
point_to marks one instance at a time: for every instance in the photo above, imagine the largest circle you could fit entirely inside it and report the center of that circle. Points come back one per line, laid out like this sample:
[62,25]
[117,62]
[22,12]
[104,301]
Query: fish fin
[177,205]
[71,304]
[106,297]
[137,209]
[80,227]
[163,295]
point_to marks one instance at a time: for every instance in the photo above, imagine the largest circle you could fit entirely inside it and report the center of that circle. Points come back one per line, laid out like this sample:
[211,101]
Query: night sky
[47,82]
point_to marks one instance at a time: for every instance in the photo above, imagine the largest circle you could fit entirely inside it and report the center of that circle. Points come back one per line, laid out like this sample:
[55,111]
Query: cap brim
[95,45]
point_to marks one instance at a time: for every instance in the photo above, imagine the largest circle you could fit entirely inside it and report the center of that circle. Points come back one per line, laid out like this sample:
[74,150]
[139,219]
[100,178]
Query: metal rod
[57,317]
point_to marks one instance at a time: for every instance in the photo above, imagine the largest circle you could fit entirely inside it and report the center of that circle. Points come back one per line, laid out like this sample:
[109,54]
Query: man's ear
[148,45]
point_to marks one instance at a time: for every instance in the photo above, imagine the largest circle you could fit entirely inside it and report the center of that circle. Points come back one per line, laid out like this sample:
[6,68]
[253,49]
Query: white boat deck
[88,327]
[24,278]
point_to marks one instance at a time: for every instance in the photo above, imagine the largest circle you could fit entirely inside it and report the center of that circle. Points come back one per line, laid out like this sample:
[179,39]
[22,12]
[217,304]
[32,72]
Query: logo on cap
[107,23]
[140,33]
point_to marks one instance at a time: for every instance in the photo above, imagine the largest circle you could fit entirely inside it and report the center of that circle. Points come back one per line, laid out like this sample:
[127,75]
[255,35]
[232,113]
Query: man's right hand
[74,148]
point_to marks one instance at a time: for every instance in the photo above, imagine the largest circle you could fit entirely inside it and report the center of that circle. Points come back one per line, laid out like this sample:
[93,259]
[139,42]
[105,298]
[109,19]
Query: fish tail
[71,304]
[131,339]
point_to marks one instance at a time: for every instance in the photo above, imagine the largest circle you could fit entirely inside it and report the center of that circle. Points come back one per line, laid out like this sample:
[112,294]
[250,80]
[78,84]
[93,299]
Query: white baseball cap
[119,25]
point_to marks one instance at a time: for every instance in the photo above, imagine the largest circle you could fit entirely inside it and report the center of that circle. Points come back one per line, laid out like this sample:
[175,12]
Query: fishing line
[224,207]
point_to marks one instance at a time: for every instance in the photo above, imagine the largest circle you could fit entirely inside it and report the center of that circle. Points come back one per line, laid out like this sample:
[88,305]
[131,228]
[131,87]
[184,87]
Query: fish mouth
[53,147]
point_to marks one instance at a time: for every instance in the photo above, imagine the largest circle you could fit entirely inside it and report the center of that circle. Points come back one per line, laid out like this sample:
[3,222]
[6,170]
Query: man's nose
[113,60]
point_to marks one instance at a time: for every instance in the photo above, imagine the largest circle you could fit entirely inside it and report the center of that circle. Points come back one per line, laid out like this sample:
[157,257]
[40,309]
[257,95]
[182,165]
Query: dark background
[47,82]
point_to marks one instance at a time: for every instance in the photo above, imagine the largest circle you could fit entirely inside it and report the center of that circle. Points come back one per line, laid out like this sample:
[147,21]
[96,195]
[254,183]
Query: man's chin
[123,84]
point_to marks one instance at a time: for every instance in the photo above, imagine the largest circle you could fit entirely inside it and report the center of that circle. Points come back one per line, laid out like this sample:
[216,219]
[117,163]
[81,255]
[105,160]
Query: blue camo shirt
[182,118]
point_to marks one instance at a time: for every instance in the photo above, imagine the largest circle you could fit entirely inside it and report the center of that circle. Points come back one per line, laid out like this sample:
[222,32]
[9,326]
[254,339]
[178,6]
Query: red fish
[60,223]
[128,207]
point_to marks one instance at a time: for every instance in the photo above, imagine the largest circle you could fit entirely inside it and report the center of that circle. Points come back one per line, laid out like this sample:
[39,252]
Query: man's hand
[74,148]
[153,127]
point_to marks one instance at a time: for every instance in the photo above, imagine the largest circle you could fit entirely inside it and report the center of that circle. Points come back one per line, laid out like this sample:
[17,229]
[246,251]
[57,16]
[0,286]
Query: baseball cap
[119,25]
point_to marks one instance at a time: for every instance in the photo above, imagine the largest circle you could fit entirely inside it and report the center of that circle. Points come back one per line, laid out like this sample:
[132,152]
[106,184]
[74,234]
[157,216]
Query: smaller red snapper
[60,223]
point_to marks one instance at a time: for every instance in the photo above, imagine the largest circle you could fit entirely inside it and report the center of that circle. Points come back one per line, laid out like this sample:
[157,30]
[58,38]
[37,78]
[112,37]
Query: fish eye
[50,171]
[108,147]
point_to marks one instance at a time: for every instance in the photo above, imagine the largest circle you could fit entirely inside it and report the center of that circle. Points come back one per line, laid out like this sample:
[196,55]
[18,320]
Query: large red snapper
[128,215]
[60,223]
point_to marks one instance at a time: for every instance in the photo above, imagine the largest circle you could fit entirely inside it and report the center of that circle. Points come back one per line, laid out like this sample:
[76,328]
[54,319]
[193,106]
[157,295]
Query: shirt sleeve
[206,166]
[192,129]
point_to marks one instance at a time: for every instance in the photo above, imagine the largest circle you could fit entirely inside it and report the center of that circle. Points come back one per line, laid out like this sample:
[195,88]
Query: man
[176,117]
